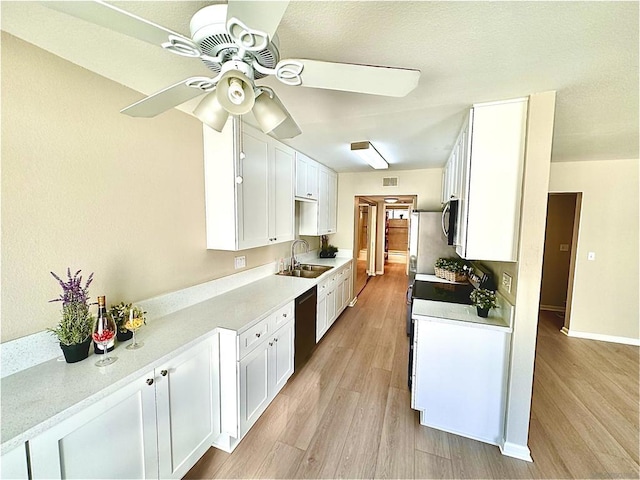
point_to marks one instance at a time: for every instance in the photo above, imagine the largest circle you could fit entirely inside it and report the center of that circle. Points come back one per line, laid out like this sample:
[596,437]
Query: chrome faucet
[294,262]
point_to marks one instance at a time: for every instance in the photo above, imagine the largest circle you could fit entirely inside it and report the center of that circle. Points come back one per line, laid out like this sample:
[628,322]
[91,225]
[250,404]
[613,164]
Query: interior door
[362,247]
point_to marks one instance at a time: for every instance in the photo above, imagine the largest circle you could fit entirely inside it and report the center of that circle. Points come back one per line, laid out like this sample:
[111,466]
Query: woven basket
[451,276]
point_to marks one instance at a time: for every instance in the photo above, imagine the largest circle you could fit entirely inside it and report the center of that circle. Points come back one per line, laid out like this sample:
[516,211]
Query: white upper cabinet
[492,146]
[306,177]
[249,188]
[321,217]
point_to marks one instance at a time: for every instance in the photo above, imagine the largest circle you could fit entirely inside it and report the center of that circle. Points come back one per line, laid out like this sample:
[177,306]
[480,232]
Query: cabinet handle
[271,344]
[149,381]
[164,372]
[309,195]
[258,334]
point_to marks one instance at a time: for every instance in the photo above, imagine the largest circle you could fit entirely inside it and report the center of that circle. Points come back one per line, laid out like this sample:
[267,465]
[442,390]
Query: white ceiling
[468,52]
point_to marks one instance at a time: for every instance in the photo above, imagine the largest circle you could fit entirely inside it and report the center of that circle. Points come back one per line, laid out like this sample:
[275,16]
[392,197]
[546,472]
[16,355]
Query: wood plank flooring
[347,413]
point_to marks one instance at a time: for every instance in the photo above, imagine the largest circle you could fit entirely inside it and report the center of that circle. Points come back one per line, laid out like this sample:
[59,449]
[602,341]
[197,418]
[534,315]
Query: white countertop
[37,398]
[498,319]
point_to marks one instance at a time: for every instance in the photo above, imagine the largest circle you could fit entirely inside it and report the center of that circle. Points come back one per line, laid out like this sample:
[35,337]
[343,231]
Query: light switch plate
[506,281]
[240,262]
[564,247]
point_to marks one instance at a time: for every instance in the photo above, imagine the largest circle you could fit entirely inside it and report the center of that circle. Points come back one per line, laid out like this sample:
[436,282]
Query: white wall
[426,184]
[605,292]
[86,187]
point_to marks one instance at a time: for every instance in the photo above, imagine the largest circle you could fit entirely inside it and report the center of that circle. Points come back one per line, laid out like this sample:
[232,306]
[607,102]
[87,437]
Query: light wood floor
[346,414]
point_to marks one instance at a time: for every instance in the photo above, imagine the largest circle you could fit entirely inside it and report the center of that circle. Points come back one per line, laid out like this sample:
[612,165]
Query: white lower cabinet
[158,426]
[263,373]
[334,295]
[13,464]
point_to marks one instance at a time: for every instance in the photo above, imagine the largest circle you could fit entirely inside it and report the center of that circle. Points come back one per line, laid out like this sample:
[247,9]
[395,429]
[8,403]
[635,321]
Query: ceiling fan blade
[287,129]
[264,16]
[392,82]
[116,19]
[165,99]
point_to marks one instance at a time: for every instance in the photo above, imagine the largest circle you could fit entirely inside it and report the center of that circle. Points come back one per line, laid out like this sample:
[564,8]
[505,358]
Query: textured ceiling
[468,52]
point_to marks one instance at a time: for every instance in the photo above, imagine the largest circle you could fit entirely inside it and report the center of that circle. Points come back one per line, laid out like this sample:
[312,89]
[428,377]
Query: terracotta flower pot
[76,352]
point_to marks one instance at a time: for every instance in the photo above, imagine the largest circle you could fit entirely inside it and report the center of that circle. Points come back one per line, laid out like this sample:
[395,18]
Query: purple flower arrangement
[76,323]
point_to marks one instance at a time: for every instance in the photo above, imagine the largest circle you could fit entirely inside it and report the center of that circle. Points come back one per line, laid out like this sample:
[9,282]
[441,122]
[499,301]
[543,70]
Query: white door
[187,391]
[321,320]
[339,295]
[283,204]
[301,176]
[113,438]
[13,464]
[281,357]
[254,386]
[332,226]
[331,306]
[323,202]
[253,193]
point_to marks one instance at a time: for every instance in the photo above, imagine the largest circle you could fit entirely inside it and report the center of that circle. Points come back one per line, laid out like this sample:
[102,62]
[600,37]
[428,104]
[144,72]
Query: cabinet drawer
[252,337]
[282,316]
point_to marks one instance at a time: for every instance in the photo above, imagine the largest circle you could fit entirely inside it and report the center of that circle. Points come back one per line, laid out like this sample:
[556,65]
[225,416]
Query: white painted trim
[552,308]
[600,337]
[380,272]
[353,302]
[520,452]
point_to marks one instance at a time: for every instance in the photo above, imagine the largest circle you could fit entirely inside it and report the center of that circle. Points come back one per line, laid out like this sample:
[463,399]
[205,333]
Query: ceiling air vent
[390,181]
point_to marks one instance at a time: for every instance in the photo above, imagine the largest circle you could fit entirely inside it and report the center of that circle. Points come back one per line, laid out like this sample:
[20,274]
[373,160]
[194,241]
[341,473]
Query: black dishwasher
[305,319]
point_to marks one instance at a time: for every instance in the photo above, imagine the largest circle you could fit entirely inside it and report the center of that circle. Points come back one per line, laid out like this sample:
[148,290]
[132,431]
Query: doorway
[363,238]
[560,246]
[396,238]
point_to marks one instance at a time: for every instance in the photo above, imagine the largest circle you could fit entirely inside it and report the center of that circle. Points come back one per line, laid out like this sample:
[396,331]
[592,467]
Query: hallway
[347,413]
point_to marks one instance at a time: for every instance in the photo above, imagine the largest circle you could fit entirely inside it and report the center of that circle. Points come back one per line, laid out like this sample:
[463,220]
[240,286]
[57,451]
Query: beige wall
[605,292]
[510,268]
[87,187]
[555,267]
[426,184]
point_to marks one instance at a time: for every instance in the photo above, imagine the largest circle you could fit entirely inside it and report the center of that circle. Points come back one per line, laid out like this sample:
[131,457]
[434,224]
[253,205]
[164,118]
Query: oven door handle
[409,292]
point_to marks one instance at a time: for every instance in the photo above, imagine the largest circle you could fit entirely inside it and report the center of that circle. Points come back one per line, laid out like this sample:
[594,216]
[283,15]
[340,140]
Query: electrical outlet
[240,262]
[506,281]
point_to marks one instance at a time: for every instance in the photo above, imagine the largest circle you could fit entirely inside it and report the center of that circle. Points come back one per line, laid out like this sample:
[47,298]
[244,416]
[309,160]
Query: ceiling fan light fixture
[369,154]
[267,112]
[211,113]
[235,89]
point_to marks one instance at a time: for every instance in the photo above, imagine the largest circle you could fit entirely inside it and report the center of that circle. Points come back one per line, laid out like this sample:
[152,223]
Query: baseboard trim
[521,452]
[552,308]
[353,302]
[600,337]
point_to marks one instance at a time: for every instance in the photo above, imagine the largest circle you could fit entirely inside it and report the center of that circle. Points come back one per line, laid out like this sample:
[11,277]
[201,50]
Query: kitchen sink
[306,270]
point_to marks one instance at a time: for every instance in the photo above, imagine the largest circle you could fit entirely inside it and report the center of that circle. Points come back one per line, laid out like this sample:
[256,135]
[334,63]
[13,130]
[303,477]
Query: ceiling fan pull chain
[182,46]
[250,40]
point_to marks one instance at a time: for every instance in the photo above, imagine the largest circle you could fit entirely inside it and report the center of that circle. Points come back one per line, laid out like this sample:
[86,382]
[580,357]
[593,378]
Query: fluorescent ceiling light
[369,154]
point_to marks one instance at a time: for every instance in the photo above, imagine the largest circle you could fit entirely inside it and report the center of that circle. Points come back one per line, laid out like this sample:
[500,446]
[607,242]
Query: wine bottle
[102,312]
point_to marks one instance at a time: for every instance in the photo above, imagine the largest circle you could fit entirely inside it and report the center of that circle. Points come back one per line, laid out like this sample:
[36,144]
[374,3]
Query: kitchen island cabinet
[158,426]
[249,188]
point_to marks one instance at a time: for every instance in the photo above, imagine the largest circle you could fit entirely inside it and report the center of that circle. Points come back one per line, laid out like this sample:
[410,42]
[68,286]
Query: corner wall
[605,291]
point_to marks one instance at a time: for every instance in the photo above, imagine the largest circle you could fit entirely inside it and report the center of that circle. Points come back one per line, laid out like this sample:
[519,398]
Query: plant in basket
[76,324]
[452,269]
[484,300]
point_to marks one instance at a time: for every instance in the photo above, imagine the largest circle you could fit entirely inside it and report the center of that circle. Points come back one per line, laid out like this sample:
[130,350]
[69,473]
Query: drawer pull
[258,335]
[284,315]
[275,339]
[149,381]
[164,372]
[271,344]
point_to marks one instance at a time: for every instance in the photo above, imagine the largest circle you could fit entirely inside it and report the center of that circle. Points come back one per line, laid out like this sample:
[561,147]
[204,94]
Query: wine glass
[103,333]
[133,324]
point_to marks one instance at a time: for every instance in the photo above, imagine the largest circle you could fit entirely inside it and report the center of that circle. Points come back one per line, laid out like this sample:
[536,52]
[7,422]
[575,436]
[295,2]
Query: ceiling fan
[238,43]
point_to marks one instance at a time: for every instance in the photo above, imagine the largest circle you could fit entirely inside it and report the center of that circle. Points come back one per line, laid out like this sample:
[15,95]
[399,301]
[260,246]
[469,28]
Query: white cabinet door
[282,204]
[281,357]
[306,177]
[323,202]
[187,396]
[13,464]
[321,320]
[254,386]
[253,193]
[339,291]
[332,222]
[113,438]
[331,306]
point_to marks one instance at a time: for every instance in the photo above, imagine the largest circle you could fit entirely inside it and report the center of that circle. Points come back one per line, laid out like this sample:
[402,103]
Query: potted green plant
[120,314]
[76,324]
[326,249]
[484,300]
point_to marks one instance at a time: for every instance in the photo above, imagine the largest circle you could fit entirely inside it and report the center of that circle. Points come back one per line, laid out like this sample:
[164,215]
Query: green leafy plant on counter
[484,298]
[76,324]
[326,249]
[455,265]
[120,313]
